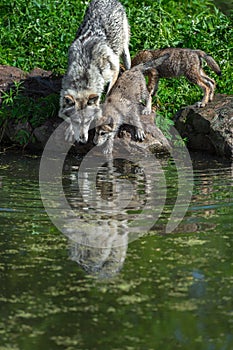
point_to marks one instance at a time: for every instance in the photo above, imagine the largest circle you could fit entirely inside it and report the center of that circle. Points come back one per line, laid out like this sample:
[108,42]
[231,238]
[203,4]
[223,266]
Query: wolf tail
[210,61]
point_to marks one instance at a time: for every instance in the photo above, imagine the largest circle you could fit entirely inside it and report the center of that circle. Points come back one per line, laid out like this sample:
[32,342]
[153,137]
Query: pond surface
[160,291]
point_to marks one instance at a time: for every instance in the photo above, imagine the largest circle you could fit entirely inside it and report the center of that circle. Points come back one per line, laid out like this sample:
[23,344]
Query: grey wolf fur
[129,99]
[94,61]
[180,62]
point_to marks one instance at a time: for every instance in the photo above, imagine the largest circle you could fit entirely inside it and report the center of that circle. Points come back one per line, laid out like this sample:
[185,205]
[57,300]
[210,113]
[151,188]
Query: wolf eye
[102,133]
[92,100]
[69,101]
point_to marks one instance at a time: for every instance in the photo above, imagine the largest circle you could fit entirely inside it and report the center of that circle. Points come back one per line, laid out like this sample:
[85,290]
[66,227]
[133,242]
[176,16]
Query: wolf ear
[92,99]
[69,100]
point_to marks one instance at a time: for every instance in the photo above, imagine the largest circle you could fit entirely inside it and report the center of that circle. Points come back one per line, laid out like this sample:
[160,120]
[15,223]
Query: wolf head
[80,118]
[104,130]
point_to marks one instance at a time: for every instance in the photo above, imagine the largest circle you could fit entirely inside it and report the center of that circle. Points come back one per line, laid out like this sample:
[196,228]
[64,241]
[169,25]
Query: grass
[38,33]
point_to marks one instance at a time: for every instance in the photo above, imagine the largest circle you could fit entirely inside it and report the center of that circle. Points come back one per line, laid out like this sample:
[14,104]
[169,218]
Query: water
[161,291]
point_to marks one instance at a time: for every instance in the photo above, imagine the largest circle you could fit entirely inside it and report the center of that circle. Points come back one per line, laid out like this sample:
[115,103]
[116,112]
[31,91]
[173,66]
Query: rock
[207,129]
[8,76]
[41,83]
[18,132]
[37,83]
[154,141]
[34,85]
[43,132]
[210,128]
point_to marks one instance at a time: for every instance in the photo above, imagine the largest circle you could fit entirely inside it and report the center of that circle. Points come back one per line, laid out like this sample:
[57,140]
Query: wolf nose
[83,139]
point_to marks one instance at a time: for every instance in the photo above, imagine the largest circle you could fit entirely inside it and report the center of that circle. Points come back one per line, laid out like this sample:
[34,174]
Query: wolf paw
[199,104]
[146,110]
[140,135]
[107,150]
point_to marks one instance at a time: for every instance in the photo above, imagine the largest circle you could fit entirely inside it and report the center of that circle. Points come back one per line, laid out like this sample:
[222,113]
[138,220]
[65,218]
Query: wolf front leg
[115,68]
[147,108]
[139,134]
[139,131]
[108,147]
[125,53]
[111,72]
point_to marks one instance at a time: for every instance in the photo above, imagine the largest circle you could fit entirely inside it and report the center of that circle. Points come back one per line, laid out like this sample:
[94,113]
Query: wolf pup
[180,62]
[93,61]
[129,98]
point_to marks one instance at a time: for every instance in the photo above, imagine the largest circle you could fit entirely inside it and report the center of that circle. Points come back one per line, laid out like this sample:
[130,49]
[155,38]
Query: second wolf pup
[180,62]
[93,62]
[129,99]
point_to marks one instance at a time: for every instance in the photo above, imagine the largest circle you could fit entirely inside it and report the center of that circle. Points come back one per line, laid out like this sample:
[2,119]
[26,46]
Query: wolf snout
[83,138]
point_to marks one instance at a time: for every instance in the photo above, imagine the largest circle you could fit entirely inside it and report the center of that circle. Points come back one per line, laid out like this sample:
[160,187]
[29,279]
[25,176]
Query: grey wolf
[180,62]
[94,61]
[128,100]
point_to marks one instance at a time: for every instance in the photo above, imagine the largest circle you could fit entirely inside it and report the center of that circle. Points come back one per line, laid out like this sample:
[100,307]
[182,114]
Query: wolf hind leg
[211,83]
[200,81]
[205,88]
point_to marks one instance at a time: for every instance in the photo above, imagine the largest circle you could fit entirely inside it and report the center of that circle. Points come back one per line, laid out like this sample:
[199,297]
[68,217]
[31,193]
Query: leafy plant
[8,96]
[22,137]
[20,108]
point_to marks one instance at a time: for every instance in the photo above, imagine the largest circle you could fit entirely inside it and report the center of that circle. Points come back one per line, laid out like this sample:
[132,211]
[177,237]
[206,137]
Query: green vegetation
[19,108]
[38,33]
